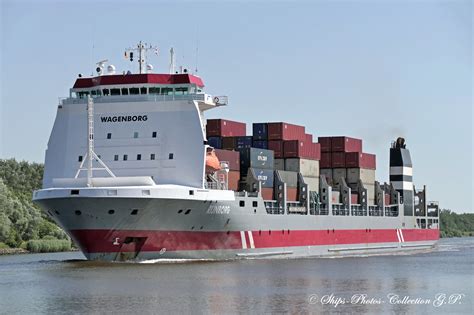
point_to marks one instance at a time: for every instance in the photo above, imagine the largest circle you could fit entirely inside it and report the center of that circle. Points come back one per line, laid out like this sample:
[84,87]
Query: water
[65,283]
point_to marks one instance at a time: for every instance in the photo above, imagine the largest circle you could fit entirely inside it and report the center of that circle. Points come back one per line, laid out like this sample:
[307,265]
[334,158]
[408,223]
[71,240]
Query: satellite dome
[111,69]
[149,68]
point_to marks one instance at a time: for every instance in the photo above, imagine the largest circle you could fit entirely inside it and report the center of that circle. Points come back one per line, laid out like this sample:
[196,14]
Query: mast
[142,50]
[90,155]
[172,62]
[90,138]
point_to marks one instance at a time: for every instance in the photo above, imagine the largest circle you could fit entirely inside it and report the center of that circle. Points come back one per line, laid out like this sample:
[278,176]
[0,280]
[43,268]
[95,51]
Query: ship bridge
[129,87]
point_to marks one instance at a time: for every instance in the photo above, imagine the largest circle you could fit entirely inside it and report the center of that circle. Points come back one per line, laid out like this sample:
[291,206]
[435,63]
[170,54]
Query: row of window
[135,91]
[135,135]
[125,157]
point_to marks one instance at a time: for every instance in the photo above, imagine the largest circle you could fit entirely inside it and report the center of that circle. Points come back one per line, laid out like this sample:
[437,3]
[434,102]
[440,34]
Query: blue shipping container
[261,144]
[260,131]
[255,158]
[264,175]
[243,142]
[215,142]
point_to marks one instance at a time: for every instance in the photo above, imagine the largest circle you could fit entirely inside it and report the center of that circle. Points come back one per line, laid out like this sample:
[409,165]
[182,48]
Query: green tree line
[21,221]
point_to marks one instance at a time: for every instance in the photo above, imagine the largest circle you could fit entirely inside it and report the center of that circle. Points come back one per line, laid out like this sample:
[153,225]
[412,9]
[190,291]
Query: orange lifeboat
[212,162]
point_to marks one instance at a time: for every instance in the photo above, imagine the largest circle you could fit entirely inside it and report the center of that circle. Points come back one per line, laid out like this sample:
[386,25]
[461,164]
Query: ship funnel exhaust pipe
[401,174]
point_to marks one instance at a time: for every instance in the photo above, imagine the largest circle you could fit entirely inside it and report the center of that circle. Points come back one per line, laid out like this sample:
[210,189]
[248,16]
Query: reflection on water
[64,283]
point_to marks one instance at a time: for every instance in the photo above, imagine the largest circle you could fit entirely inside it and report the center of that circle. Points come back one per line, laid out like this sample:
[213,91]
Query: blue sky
[370,69]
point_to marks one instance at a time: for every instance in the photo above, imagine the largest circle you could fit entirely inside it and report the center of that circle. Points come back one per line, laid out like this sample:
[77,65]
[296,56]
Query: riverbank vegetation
[24,226]
[456,225]
[21,221]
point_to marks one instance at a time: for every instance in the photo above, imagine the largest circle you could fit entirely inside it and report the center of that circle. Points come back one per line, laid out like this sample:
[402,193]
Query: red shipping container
[338,159]
[354,198]
[225,128]
[284,131]
[228,143]
[361,160]
[277,147]
[387,199]
[291,194]
[325,143]
[325,160]
[301,149]
[233,180]
[346,144]
[233,157]
[308,138]
[267,194]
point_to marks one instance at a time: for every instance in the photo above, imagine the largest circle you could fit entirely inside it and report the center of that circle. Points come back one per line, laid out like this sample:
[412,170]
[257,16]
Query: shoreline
[21,251]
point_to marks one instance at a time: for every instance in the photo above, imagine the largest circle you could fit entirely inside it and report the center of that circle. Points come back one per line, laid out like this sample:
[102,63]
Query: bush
[48,246]
[3,245]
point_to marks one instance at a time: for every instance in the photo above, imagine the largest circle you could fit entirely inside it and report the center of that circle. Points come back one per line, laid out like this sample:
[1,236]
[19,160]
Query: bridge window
[154,90]
[134,91]
[143,90]
[124,91]
[109,136]
[152,156]
[116,157]
[171,156]
[125,157]
[135,134]
[105,92]
[181,91]
[242,203]
[139,157]
[153,135]
[114,91]
[166,91]
[80,158]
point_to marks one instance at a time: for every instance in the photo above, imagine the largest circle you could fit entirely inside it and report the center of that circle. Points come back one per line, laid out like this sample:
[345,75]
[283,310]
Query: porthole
[134,212]
[187,211]
[77,212]
[56,211]
[111,211]
[180,211]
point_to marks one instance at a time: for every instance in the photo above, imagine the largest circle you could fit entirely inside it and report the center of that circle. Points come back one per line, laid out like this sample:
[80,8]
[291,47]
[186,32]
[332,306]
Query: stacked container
[342,157]
[221,133]
[258,159]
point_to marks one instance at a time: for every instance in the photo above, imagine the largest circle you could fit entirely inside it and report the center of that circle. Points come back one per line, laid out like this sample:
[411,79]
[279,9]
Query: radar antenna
[90,155]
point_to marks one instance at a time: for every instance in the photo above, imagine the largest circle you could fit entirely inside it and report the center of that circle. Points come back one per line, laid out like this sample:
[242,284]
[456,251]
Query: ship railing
[215,185]
[375,211]
[339,209]
[318,209]
[273,207]
[391,211]
[137,98]
[358,210]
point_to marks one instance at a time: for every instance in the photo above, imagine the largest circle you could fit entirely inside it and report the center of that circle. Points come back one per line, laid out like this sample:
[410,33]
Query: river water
[440,281]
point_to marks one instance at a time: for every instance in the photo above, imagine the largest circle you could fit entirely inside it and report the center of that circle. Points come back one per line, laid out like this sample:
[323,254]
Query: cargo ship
[134,171]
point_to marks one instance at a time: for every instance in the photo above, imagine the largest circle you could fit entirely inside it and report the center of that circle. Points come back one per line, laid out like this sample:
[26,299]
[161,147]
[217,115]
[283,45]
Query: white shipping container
[313,183]
[306,167]
[279,164]
[354,174]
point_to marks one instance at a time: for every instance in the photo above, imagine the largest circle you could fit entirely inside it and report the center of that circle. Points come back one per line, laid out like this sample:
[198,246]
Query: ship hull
[134,229]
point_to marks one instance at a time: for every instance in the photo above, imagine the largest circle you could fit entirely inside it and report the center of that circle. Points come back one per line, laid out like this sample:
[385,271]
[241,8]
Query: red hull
[102,241]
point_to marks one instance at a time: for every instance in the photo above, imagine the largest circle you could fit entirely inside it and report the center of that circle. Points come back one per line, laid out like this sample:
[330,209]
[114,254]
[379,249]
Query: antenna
[197,49]
[90,155]
[142,49]
[172,60]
